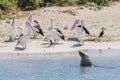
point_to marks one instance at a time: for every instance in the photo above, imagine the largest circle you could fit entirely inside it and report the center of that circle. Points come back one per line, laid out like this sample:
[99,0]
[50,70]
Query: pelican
[102,32]
[13,32]
[80,28]
[24,38]
[56,33]
[35,27]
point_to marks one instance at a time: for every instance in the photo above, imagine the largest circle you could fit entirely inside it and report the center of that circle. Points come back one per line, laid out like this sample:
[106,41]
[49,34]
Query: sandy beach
[94,20]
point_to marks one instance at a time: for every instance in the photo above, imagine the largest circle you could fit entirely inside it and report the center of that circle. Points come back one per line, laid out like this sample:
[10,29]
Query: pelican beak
[76,22]
[73,26]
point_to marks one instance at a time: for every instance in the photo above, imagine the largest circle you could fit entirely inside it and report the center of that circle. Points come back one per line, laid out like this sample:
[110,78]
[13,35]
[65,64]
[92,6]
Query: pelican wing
[35,29]
[59,33]
[86,31]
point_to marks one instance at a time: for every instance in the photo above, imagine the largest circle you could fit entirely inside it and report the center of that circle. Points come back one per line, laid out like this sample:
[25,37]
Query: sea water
[107,67]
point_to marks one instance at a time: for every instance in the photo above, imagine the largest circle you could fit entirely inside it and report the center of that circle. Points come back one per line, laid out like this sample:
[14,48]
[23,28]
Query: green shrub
[59,2]
[1,15]
[29,4]
[98,2]
[8,5]
[91,4]
[72,2]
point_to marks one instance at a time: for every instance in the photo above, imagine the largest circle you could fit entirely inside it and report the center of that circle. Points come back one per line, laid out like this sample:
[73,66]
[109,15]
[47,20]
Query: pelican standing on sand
[23,39]
[35,27]
[56,33]
[80,29]
[13,32]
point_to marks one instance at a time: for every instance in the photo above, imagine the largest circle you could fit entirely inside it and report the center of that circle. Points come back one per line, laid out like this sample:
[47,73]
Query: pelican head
[77,21]
[52,24]
[30,17]
[13,22]
[103,28]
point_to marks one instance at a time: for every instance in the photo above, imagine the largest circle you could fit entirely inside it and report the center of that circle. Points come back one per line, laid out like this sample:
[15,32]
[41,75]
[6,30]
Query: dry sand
[108,17]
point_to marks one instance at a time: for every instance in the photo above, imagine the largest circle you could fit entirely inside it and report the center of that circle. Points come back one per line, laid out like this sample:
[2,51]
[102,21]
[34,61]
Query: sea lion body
[85,59]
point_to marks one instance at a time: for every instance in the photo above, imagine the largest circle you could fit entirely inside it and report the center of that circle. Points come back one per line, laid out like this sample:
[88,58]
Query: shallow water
[107,67]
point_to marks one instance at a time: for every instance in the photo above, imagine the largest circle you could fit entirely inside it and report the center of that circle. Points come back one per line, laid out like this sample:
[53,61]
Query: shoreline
[67,46]
[38,51]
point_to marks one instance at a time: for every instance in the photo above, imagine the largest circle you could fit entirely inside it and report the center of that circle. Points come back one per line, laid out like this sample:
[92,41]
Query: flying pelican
[35,27]
[13,32]
[102,32]
[79,27]
[24,38]
[56,33]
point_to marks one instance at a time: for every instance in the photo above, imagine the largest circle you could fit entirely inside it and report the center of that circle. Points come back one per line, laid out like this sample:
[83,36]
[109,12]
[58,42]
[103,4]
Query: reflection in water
[61,68]
[85,70]
[100,51]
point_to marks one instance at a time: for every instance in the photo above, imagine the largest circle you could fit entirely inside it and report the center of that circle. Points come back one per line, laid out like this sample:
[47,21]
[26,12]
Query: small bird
[56,33]
[23,39]
[13,32]
[101,33]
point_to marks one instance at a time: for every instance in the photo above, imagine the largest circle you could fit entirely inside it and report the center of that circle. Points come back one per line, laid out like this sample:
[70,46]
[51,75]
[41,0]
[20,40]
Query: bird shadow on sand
[9,41]
[90,39]
[76,45]
[19,49]
[36,38]
[72,39]
[52,44]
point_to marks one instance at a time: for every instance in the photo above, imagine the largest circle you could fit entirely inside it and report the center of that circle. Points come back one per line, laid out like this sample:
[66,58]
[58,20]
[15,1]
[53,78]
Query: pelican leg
[81,41]
[10,39]
[78,33]
[57,41]
[34,36]
[54,41]
[80,36]
[25,45]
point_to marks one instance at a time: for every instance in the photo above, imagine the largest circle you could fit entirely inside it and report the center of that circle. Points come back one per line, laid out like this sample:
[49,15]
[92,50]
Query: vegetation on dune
[12,6]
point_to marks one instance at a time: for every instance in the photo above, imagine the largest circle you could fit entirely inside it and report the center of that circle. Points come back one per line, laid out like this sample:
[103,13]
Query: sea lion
[85,59]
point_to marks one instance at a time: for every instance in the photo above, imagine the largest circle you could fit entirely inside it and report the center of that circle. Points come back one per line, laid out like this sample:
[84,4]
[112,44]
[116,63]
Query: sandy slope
[108,17]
